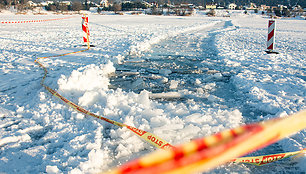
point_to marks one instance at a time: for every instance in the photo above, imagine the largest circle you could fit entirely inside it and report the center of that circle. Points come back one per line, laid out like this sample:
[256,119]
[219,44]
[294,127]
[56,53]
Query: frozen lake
[178,77]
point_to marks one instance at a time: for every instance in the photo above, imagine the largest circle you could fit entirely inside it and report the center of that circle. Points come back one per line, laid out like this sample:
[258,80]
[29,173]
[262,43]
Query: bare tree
[2,7]
[117,7]
[52,7]
[212,12]
[77,6]
[6,2]
[22,5]
[62,7]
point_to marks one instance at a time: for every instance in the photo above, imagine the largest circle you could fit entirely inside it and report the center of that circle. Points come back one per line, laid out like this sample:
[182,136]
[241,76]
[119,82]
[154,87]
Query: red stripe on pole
[270,47]
[84,28]
[271,22]
[85,39]
[271,34]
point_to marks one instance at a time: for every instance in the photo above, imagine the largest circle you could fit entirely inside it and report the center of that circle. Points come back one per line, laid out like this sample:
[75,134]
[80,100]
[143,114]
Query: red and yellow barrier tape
[31,21]
[147,136]
[266,159]
[206,153]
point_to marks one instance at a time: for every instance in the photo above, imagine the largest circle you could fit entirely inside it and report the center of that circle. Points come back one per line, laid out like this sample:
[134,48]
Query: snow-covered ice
[177,77]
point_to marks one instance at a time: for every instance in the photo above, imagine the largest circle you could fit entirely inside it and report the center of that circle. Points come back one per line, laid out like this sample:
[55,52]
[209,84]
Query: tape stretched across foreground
[201,154]
[206,153]
[266,159]
[158,142]
[32,21]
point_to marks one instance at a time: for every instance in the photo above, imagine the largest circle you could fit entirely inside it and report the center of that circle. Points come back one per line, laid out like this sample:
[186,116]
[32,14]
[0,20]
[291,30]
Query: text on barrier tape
[266,159]
[206,153]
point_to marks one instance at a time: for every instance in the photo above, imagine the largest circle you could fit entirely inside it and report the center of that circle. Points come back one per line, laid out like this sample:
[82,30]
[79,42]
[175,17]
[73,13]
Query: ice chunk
[139,83]
[52,170]
[143,98]
[165,72]
[218,76]
[197,82]
[173,84]
[93,77]
[164,95]
[88,98]
[163,80]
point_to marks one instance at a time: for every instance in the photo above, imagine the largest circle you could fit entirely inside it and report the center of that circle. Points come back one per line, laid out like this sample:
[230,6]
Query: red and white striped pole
[271,37]
[85,30]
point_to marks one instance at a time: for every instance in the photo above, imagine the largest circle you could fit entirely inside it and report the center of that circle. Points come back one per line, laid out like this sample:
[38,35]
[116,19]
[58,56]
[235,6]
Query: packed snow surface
[178,77]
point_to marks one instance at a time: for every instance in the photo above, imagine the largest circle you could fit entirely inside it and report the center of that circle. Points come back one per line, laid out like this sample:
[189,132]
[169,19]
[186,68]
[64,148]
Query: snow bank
[175,123]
